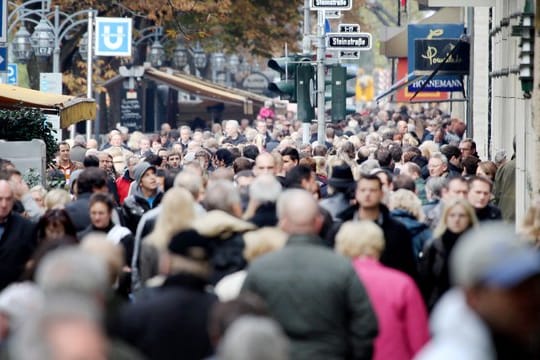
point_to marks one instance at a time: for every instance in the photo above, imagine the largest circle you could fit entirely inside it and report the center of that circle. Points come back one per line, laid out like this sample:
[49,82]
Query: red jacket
[122,185]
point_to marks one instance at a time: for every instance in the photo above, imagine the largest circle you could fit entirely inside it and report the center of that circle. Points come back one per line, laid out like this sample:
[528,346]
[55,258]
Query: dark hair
[242,163]
[384,157]
[293,179]
[291,152]
[319,150]
[91,161]
[396,152]
[55,216]
[470,164]
[403,181]
[483,179]
[91,178]
[451,151]
[251,151]
[369,177]
[102,198]
[154,159]
[225,155]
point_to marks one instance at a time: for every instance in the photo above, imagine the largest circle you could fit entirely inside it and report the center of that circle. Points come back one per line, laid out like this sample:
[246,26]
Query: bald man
[17,238]
[265,163]
[312,292]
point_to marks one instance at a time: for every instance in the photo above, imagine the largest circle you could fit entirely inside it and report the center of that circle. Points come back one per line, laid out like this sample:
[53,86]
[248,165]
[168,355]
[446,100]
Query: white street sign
[331,4]
[348,41]
[332,14]
[113,36]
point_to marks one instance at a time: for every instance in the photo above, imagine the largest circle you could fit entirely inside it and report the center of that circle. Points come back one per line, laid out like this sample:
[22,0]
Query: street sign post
[348,41]
[13,74]
[3,21]
[3,59]
[113,36]
[330,5]
[349,28]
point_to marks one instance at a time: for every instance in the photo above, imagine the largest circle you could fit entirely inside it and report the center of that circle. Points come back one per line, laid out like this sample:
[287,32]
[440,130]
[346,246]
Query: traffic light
[286,86]
[340,93]
[305,87]
[525,30]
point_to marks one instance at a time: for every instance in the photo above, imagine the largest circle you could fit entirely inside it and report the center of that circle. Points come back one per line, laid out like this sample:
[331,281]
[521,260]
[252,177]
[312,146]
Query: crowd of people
[390,239]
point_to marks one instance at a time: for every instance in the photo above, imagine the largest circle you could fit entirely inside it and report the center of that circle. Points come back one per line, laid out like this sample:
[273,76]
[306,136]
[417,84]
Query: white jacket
[458,333]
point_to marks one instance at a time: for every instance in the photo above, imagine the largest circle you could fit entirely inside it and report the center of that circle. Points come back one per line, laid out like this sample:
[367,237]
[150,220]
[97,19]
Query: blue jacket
[420,232]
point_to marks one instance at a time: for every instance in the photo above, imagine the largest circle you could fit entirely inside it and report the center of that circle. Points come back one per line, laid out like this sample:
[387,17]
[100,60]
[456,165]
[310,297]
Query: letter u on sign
[113,36]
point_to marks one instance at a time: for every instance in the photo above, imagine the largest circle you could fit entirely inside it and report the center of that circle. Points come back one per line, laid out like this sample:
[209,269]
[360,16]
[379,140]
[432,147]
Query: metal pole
[56,51]
[306,49]
[89,71]
[321,50]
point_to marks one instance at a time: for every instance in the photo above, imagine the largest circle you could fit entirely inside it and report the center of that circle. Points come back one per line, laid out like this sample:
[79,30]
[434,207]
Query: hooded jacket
[136,205]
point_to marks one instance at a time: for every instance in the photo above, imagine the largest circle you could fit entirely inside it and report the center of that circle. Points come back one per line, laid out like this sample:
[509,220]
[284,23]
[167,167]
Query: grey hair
[265,188]
[368,166]
[435,185]
[72,270]
[254,337]
[440,156]
[190,181]
[221,195]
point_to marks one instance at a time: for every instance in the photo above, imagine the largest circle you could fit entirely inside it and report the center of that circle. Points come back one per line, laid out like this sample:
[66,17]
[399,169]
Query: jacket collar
[185,280]
[304,239]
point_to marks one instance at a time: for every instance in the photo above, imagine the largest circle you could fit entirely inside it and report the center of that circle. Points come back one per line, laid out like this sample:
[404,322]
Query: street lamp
[157,54]
[21,45]
[199,57]
[180,55]
[43,40]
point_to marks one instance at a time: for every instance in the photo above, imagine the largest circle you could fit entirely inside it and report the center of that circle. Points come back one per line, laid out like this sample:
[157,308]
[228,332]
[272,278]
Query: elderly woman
[406,207]
[401,314]
[458,216]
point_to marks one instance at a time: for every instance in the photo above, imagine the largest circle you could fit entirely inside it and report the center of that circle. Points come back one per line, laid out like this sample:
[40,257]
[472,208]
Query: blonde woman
[401,313]
[177,214]
[458,216]
[257,243]
[406,207]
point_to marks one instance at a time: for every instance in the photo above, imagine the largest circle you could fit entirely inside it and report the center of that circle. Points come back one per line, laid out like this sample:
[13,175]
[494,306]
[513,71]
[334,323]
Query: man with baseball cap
[494,311]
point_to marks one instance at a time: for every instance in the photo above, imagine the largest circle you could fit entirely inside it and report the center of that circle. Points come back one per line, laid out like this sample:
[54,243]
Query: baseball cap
[493,255]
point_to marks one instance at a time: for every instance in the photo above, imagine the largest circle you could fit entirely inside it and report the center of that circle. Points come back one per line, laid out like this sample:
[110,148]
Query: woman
[406,207]
[55,224]
[101,210]
[458,217]
[177,214]
[401,314]
[487,169]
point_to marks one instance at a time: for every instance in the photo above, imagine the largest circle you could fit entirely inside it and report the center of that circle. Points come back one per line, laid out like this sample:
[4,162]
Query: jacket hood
[217,223]
[412,224]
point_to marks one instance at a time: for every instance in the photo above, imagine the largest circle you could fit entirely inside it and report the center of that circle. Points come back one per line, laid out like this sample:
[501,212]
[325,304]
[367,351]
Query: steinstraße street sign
[330,4]
[348,41]
[3,21]
[113,36]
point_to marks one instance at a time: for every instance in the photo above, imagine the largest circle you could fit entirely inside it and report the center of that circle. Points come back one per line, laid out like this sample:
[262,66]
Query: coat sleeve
[363,327]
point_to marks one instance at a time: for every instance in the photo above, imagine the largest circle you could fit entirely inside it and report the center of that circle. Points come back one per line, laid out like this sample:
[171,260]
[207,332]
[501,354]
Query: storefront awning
[71,109]
[208,90]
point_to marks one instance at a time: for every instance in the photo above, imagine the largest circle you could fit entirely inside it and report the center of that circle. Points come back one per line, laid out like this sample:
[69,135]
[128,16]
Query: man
[479,196]
[172,323]
[398,253]
[233,134]
[290,157]
[185,136]
[123,182]
[493,311]
[91,180]
[262,130]
[453,155]
[265,163]
[341,186]
[65,165]
[146,195]
[174,160]
[467,147]
[505,188]
[415,172]
[453,187]
[438,165]
[311,291]
[263,194]
[17,238]
[78,151]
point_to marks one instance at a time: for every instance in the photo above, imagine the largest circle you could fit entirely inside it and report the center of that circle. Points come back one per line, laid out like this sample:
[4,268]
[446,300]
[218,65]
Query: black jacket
[135,206]
[17,245]
[265,215]
[490,212]
[79,211]
[398,251]
[172,322]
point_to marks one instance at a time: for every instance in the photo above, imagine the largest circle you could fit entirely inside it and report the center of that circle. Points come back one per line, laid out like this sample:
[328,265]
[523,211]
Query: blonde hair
[530,228]
[360,238]
[57,199]
[449,205]
[407,200]
[262,241]
[177,214]
[428,148]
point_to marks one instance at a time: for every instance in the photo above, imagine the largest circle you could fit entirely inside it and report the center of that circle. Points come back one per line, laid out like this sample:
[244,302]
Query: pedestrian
[401,313]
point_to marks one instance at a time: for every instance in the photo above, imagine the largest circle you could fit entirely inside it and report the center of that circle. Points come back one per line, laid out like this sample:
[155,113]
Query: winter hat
[191,244]
[140,169]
